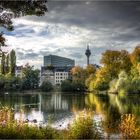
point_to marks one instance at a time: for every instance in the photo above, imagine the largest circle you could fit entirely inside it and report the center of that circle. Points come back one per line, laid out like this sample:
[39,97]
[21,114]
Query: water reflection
[111,107]
[58,108]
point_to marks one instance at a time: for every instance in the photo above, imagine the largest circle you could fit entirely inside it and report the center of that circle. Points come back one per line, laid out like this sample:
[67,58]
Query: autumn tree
[90,74]
[90,69]
[78,74]
[135,56]
[116,61]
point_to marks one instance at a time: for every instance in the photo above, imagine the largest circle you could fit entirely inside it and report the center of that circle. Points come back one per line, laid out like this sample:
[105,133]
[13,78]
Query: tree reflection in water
[111,107]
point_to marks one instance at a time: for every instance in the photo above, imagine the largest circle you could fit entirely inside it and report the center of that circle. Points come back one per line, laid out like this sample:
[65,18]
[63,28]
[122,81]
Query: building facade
[56,69]
[57,61]
[19,71]
[60,76]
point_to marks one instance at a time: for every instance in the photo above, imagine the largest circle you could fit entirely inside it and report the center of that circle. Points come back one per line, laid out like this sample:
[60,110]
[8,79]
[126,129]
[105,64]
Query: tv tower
[88,53]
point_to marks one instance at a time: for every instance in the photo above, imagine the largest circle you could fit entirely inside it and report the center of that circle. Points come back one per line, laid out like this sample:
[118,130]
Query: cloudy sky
[68,27]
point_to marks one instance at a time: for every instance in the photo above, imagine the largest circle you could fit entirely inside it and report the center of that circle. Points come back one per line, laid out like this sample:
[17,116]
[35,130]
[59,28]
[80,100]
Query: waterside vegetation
[82,127]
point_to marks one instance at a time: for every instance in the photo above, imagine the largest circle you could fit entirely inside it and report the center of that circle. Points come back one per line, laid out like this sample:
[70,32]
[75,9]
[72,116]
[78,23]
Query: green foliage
[118,84]
[68,85]
[11,129]
[101,80]
[46,86]
[126,84]
[12,83]
[30,77]
[3,63]
[12,62]
[83,126]
[18,9]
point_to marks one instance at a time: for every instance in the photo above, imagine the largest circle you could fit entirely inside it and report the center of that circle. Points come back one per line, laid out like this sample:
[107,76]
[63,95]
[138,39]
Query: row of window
[61,73]
[61,77]
[58,81]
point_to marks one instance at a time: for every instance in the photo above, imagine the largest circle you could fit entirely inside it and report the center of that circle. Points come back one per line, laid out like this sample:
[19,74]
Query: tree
[14,9]
[46,86]
[90,69]
[30,77]
[102,79]
[7,64]
[135,56]
[3,64]
[116,61]
[78,74]
[12,62]
[2,41]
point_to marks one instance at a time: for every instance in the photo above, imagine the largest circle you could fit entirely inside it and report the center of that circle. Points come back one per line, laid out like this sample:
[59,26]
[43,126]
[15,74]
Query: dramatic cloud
[68,27]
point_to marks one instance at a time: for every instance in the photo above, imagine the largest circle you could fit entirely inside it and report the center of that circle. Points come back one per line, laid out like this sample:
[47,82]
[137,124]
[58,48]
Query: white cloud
[67,32]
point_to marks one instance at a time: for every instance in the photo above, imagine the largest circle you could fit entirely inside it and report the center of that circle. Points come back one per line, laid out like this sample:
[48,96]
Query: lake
[59,108]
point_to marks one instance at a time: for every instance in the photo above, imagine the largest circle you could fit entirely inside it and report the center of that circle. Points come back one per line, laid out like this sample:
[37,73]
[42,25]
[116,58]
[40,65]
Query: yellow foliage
[129,126]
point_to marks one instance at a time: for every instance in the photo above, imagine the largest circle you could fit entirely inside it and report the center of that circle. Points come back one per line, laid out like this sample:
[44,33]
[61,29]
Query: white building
[47,75]
[60,76]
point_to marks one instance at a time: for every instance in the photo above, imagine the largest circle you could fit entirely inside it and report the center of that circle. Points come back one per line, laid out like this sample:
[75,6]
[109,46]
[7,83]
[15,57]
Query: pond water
[58,108]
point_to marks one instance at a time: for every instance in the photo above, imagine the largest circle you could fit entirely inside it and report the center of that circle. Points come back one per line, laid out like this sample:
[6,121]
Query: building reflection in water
[42,108]
[57,103]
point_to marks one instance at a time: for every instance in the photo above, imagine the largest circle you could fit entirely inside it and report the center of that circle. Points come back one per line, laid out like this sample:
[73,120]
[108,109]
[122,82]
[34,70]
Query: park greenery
[120,72]
[8,79]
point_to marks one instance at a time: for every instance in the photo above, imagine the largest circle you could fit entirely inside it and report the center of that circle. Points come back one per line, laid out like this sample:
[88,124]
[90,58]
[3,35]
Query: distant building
[56,69]
[61,76]
[19,71]
[57,61]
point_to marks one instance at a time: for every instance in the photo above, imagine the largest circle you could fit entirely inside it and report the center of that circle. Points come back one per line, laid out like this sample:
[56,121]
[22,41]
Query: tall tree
[12,62]
[3,64]
[7,63]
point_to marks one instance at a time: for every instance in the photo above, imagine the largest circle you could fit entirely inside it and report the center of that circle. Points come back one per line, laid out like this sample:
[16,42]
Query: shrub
[66,85]
[129,127]
[46,86]
[83,126]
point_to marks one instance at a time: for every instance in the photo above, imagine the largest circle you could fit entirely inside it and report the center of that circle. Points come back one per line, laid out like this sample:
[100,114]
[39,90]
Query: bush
[83,126]
[66,85]
[129,127]
[11,129]
[46,86]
